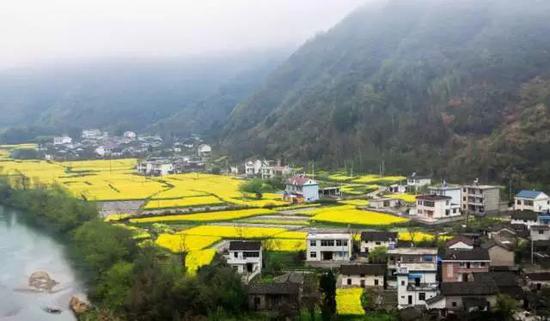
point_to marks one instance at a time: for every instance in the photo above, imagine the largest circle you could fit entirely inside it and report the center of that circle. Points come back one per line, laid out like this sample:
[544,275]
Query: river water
[24,250]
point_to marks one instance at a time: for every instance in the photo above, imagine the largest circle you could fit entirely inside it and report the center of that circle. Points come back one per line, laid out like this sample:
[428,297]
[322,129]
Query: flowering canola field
[348,214]
[404,197]
[196,259]
[372,179]
[348,301]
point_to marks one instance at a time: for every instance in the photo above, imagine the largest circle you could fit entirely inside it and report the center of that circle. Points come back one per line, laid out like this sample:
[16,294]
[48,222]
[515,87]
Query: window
[349,281]
[339,242]
[454,304]
[251,254]
[327,242]
[362,283]
[447,212]
[362,275]
[313,255]
[236,254]
[422,296]
[541,232]
[461,264]
[378,243]
[482,264]
[376,282]
[519,202]
[403,283]
[313,243]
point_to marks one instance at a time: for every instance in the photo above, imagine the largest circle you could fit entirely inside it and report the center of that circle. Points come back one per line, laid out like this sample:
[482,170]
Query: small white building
[130,135]
[301,188]
[91,134]
[62,140]
[380,203]
[329,247]
[374,239]
[155,167]
[414,181]
[540,232]
[534,201]
[414,270]
[204,151]
[245,257]
[362,275]
[435,207]
[102,151]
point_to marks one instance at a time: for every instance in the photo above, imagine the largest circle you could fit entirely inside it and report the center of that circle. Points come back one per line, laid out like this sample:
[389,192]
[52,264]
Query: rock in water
[41,281]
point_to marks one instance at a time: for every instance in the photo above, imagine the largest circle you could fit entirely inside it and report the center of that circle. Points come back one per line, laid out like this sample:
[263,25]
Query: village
[412,244]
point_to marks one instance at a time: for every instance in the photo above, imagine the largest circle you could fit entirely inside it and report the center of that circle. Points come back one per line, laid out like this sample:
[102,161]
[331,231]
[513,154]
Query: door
[249,267]
[327,256]
[410,299]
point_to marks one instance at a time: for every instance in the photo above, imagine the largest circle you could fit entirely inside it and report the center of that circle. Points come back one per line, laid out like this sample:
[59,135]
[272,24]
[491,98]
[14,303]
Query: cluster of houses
[466,275]
[262,168]
[95,143]
[176,164]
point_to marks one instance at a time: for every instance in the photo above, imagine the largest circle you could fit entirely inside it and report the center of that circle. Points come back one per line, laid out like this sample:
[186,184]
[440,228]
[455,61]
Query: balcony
[422,287]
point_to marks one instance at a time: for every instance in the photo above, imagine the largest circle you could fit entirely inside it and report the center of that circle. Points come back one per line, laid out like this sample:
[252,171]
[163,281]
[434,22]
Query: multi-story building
[459,265]
[374,239]
[531,201]
[413,272]
[245,257]
[444,189]
[434,207]
[480,199]
[414,182]
[362,275]
[329,247]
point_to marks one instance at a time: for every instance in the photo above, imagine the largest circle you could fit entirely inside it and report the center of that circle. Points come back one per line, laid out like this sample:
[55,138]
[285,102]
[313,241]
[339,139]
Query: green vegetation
[460,88]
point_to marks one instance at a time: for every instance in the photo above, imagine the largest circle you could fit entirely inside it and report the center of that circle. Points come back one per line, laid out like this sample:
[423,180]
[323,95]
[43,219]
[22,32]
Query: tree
[378,255]
[256,186]
[505,307]
[327,286]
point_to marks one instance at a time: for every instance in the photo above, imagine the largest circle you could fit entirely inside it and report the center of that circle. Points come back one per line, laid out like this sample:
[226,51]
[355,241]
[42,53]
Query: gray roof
[476,254]
[539,276]
[378,236]
[524,215]
[273,288]
[485,287]
[244,246]
[366,269]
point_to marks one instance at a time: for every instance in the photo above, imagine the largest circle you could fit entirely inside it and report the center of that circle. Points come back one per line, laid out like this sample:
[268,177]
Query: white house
[130,135]
[434,207]
[414,181]
[328,247]
[540,232]
[527,218]
[362,275]
[534,201]
[444,189]
[62,140]
[374,239]
[155,167]
[91,134]
[204,150]
[379,203]
[102,151]
[245,257]
[413,272]
[301,188]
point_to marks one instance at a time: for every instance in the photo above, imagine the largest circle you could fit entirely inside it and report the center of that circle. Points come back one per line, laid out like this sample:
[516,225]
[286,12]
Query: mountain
[458,89]
[123,94]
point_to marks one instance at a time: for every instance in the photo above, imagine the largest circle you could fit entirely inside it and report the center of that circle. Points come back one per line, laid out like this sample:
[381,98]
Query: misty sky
[34,31]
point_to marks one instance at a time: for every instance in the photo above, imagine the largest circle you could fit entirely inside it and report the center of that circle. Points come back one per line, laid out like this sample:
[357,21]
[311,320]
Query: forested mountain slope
[455,88]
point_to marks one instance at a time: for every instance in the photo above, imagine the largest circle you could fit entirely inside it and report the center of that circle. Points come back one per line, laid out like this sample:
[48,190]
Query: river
[24,250]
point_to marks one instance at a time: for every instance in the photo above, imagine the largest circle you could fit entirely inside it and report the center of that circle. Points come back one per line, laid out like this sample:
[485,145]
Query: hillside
[456,88]
[124,94]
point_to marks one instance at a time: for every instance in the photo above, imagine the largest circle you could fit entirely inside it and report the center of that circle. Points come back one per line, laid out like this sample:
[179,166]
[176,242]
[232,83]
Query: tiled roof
[431,197]
[273,288]
[528,194]
[524,215]
[366,269]
[486,287]
[378,236]
[300,180]
[244,246]
[458,239]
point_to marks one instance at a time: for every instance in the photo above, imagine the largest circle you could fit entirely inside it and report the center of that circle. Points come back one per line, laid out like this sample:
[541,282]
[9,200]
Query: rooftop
[476,287]
[245,246]
[378,236]
[274,288]
[328,235]
[529,194]
[413,251]
[524,215]
[367,269]
[301,180]
[431,197]
[458,239]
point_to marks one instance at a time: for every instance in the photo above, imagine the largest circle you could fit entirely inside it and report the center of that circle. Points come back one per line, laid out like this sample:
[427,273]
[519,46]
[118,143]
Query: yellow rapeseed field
[356,202]
[196,259]
[348,301]
[348,214]
[205,217]
[285,245]
[183,242]
[404,197]
[372,179]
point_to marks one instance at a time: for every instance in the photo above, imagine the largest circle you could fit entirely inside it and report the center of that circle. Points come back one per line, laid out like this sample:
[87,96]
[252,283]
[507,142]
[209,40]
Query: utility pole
[313,170]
